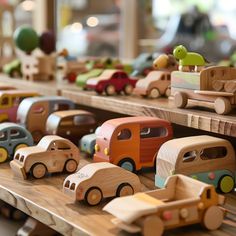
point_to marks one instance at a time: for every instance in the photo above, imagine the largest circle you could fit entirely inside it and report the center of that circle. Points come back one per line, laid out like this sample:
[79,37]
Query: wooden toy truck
[183,201]
[214,87]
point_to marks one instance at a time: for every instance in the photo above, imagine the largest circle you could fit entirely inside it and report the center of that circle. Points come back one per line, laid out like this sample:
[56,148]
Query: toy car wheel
[15,73]
[128,89]
[93,196]
[3,154]
[226,184]
[222,106]
[180,99]
[21,145]
[154,93]
[127,164]
[71,166]
[168,92]
[124,189]
[38,170]
[152,226]
[110,90]
[213,218]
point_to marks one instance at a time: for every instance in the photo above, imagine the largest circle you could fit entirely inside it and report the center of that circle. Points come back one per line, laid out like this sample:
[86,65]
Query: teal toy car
[13,137]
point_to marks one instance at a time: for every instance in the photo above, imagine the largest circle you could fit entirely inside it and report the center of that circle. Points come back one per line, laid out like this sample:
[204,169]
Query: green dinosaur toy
[188,60]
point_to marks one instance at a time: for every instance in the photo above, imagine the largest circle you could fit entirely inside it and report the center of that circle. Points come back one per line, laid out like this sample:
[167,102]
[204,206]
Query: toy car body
[13,137]
[183,201]
[156,84]
[9,103]
[206,158]
[71,124]
[112,81]
[33,110]
[131,142]
[96,181]
[52,154]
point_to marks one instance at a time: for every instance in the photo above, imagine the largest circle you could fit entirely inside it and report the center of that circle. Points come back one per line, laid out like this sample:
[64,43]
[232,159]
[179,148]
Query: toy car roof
[67,113]
[16,91]
[46,140]
[7,125]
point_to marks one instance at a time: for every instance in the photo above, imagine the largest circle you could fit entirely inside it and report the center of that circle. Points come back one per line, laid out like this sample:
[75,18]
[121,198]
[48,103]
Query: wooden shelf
[44,200]
[163,108]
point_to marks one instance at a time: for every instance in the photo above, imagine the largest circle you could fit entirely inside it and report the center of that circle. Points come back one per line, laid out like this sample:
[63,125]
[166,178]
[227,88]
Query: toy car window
[83,120]
[123,76]
[5,101]
[63,146]
[115,76]
[162,77]
[151,132]
[189,156]
[3,136]
[15,100]
[168,77]
[213,153]
[16,134]
[124,134]
[38,109]
[60,107]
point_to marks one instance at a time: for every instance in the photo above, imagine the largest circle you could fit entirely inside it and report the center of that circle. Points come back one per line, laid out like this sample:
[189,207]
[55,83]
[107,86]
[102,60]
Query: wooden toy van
[52,154]
[71,124]
[214,87]
[206,158]
[96,181]
[131,142]
[13,137]
[33,113]
[9,103]
[156,84]
[183,201]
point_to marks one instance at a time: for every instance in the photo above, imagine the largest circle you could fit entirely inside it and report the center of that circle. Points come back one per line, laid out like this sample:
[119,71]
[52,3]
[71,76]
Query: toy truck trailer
[205,87]
[183,201]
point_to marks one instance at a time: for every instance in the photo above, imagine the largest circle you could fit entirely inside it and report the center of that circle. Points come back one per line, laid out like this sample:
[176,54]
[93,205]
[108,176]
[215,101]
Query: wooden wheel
[128,89]
[152,226]
[124,189]
[39,170]
[110,90]
[213,218]
[3,154]
[93,196]
[180,99]
[168,92]
[127,164]
[226,184]
[222,106]
[71,166]
[154,93]
[21,145]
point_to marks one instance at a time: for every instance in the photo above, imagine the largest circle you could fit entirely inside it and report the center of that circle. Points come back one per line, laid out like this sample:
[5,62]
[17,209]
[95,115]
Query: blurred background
[123,29]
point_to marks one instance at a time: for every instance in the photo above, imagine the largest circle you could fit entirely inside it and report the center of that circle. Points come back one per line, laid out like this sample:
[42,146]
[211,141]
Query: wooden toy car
[9,103]
[33,110]
[96,181]
[206,158]
[88,141]
[13,68]
[212,88]
[13,137]
[131,142]
[112,81]
[52,154]
[156,84]
[183,201]
[71,124]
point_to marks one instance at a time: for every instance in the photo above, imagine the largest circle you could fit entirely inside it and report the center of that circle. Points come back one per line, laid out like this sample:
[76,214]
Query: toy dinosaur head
[180,52]
[161,62]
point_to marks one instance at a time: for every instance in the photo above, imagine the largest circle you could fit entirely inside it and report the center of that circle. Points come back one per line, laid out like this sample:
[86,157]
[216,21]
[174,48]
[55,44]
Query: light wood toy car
[206,158]
[214,87]
[101,180]
[52,154]
[183,201]
[156,84]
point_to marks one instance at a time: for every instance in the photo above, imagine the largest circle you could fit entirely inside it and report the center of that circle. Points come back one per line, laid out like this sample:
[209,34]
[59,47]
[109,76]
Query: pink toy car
[112,81]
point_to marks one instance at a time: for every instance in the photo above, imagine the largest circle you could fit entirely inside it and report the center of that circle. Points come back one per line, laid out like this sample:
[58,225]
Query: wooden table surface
[44,200]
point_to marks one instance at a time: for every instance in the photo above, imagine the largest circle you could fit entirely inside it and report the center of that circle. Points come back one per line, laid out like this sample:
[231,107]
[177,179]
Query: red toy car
[112,81]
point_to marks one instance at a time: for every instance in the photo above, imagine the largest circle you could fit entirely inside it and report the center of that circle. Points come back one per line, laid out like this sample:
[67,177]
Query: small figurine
[112,82]
[131,142]
[183,201]
[165,62]
[96,181]
[31,111]
[53,154]
[13,137]
[206,158]
[156,84]
[189,61]
[71,124]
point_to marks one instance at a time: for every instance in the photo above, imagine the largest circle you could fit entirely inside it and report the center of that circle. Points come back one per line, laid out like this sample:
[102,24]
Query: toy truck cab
[156,84]
[183,201]
[131,142]
[206,158]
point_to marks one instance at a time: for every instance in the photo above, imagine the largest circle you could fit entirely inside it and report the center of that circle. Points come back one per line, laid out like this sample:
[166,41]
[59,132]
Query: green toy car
[13,69]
